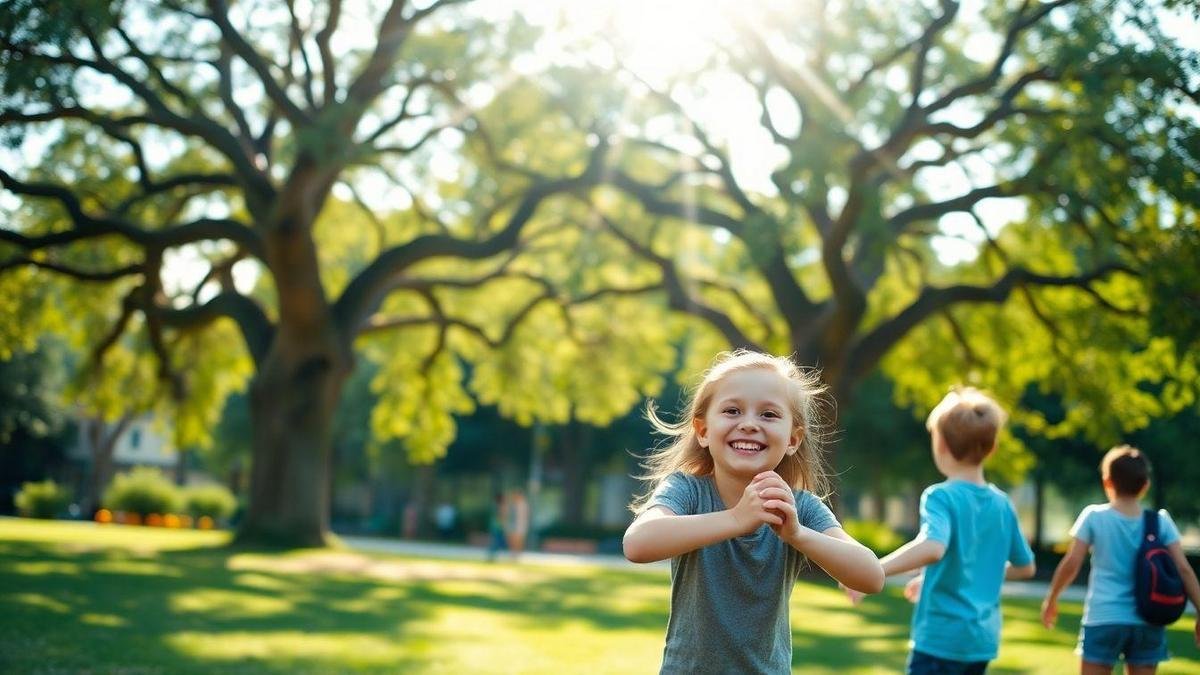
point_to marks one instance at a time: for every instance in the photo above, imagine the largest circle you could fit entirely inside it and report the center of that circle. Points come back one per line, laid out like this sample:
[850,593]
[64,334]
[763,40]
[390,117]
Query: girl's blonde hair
[811,408]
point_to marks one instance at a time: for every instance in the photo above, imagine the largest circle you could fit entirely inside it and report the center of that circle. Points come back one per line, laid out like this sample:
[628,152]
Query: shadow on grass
[866,637]
[80,607]
[112,609]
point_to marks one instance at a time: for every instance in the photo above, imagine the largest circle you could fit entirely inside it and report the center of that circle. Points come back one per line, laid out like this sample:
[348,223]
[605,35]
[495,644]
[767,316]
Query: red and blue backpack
[1158,588]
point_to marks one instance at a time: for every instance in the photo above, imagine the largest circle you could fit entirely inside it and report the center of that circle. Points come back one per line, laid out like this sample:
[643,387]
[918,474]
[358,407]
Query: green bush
[143,491]
[42,500]
[214,501]
[875,535]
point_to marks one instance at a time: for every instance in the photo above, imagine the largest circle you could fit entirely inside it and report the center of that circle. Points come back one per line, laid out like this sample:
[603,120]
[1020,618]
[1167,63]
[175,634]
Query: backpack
[1158,589]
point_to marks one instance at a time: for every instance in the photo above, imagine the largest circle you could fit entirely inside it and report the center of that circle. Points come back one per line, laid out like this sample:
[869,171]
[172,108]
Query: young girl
[725,509]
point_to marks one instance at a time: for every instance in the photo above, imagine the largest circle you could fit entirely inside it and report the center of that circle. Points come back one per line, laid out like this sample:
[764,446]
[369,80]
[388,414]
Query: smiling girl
[732,504]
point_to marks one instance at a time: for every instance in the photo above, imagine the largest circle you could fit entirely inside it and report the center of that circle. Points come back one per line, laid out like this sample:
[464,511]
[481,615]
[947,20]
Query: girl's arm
[1064,574]
[1190,585]
[840,555]
[658,533]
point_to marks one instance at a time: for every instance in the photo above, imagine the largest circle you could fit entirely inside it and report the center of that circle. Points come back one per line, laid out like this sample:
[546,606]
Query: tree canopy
[419,185]
[996,194]
[243,136]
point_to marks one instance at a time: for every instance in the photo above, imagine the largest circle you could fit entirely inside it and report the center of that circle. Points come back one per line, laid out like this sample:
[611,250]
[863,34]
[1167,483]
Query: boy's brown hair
[1127,468]
[968,421]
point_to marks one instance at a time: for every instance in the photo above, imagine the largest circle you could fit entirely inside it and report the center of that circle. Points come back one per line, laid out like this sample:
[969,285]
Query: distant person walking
[496,518]
[444,517]
[516,522]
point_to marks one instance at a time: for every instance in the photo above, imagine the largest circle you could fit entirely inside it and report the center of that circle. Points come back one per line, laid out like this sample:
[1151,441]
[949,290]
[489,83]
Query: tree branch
[297,45]
[220,16]
[648,196]
[678,296]
[328,67]
[159,114]
[256,329]
[949,11]
[224,66]
[935,210]
[73,272]
[96,359]
[865,354]
[89,227]
[364,292]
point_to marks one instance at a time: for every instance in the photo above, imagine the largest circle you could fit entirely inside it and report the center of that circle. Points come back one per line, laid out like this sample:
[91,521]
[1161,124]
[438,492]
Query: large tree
[991,193]
[222,130]
[150,132]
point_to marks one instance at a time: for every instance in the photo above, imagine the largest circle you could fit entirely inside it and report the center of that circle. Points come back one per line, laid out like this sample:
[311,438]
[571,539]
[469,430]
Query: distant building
[145,442]
[142,444]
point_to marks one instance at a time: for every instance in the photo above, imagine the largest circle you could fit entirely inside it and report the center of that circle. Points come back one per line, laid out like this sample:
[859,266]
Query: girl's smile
[747,447]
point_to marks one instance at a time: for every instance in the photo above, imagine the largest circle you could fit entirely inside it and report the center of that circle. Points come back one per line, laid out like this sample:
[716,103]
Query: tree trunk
[292,401]
[233,478]
[300,376]
[878,497]
[181,472]
[102,442]
[840,398]
[1039,507]
[419,499]
[574,449]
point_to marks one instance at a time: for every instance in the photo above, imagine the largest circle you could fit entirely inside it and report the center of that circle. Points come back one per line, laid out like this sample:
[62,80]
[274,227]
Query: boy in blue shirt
[1111,627]
[969,543]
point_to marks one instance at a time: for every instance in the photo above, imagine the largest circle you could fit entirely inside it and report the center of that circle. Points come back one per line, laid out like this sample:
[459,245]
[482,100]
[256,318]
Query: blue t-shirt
[1114,538]
[729,600]
[958,614]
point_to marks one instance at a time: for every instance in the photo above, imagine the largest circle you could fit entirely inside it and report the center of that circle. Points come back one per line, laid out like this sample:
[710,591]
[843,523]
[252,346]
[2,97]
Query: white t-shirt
[1114,538]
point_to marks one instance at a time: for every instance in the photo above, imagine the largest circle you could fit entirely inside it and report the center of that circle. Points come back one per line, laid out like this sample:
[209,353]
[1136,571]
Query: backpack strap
[1150,524]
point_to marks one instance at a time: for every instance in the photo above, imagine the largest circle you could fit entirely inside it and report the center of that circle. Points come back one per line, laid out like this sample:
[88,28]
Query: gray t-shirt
[729,600]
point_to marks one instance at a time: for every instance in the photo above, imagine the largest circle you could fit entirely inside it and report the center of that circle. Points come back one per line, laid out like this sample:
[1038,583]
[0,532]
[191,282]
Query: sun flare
[654,39]
[659,39]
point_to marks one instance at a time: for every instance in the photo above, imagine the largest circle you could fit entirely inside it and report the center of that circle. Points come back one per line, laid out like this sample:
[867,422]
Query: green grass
[112,599]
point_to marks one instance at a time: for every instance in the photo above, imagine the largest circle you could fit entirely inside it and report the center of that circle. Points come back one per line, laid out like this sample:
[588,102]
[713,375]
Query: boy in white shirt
[1111,626]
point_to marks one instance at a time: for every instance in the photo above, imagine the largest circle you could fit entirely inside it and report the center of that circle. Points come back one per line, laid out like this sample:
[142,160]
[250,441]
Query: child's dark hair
[1127,468]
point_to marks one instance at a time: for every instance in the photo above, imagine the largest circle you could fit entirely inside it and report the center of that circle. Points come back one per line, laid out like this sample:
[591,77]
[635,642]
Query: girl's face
[748,426]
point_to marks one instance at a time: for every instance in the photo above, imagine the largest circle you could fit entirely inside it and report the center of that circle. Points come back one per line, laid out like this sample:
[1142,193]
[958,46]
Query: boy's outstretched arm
[1188,575]
[914,555]
[1017,572]
[1064,574]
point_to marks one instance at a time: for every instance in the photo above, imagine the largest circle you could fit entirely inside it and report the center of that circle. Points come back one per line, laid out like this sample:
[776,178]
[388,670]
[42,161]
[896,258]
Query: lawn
[77,597]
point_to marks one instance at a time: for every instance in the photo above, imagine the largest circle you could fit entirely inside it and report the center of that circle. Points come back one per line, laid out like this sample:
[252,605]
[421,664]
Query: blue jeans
[1141,645]
[920,663]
